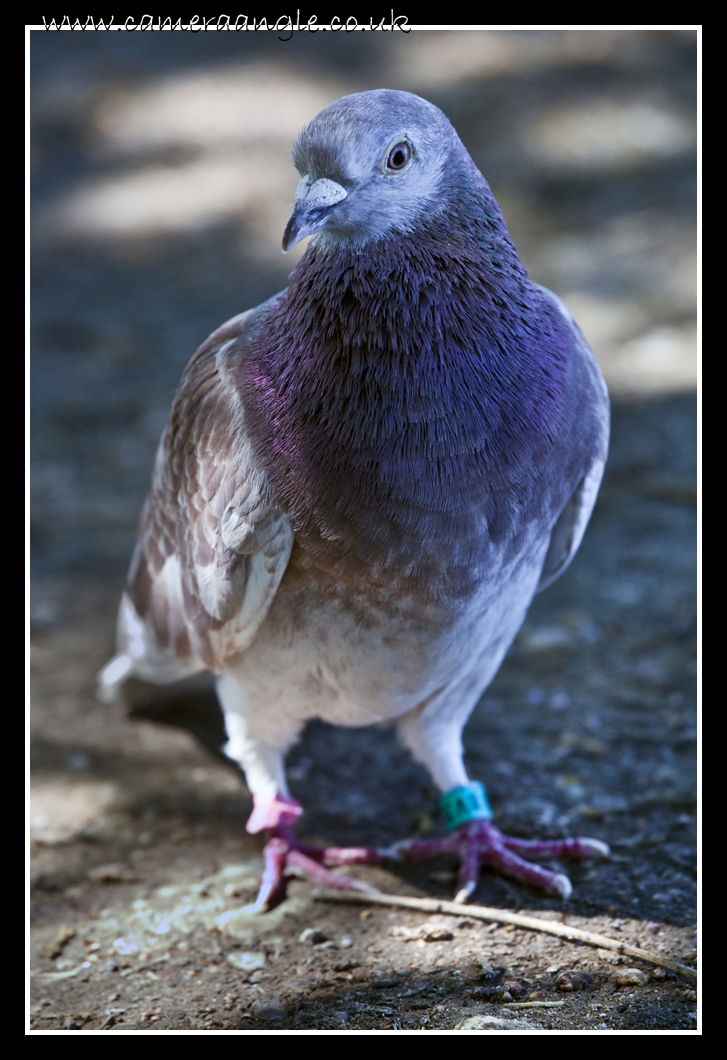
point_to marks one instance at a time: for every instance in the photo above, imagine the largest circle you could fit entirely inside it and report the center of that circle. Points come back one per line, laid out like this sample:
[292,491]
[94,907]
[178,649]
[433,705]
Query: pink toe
[278,812]
[556,848]
[423,849]
[323,876]
[351,856]
[526,872]
[272,885]
[469,869]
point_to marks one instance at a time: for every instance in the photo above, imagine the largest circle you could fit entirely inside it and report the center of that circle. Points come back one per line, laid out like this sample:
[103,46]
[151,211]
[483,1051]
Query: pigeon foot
[286,856]
[479,843]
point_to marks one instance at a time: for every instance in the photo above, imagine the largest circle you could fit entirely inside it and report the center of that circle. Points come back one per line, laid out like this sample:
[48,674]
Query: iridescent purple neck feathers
[409,393]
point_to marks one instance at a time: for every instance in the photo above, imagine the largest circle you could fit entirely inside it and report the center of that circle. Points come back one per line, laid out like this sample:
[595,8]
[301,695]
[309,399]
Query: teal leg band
[465,804]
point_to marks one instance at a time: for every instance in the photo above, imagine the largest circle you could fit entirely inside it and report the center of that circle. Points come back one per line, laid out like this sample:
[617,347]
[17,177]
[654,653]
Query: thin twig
[50,976]
[483,912]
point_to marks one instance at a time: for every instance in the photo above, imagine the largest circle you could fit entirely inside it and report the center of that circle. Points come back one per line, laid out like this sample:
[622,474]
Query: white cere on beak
[302,190]
[322,194]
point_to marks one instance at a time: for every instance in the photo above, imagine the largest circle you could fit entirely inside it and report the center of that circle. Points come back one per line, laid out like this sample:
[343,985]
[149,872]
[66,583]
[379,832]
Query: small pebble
[630,977]
[486,1023]
[574,980]
[126,946]
[438,934]
[313,936]
[611,956]
[246,962]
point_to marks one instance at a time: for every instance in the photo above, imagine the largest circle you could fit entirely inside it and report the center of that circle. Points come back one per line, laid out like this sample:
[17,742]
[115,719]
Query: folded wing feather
[213,544]
[571,524]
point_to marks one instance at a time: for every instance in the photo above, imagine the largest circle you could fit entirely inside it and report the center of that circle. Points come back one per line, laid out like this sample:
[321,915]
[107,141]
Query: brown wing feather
[213,544]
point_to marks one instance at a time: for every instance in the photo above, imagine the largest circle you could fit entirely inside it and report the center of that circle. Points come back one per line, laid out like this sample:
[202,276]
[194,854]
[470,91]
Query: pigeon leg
[478,843]
[260,752]
[433,733]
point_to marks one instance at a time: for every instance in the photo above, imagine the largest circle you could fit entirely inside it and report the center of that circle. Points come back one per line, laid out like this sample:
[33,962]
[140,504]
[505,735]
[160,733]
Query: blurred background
[161,185]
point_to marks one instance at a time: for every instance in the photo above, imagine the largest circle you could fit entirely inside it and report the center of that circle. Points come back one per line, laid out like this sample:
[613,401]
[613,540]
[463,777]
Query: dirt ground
[140,866]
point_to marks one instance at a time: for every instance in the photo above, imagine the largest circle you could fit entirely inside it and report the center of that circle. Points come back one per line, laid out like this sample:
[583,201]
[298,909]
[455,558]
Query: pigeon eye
[399,156]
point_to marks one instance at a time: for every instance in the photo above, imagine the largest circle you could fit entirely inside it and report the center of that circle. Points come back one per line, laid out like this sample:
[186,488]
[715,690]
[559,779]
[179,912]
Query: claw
[595,846]
[464,892]
[562,886]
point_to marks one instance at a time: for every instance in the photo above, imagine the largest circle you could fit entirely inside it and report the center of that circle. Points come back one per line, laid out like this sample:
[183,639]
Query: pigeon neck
[399,390]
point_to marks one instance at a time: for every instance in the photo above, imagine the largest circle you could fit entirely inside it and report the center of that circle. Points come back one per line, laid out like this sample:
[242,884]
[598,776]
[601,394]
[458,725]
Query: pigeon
[365,480]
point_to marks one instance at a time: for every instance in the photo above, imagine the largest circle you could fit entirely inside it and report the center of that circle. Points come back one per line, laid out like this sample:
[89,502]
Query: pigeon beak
[313,203]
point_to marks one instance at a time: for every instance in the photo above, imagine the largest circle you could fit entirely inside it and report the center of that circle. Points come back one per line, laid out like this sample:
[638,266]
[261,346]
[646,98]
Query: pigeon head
[372,165]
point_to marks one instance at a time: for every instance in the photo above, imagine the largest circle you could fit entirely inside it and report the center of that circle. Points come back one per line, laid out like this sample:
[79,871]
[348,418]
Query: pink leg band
[278,812]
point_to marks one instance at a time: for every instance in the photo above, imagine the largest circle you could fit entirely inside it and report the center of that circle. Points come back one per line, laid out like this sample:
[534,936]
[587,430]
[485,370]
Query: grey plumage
[364,481]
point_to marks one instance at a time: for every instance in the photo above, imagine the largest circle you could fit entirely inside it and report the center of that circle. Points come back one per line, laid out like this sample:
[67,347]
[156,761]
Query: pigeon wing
[569,528]
[213,543]
[566,535]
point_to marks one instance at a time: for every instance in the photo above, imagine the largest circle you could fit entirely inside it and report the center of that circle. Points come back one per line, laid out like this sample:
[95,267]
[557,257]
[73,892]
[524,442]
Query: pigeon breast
[414,402]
